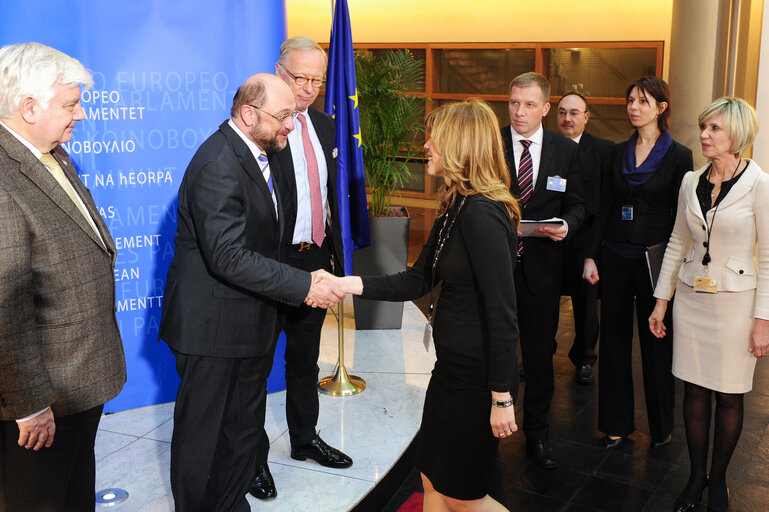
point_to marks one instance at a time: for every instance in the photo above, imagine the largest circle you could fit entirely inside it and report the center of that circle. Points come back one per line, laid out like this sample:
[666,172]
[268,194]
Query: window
[601,71]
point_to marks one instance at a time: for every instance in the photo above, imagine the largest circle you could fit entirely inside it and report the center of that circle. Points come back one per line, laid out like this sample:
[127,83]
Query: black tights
[728,425]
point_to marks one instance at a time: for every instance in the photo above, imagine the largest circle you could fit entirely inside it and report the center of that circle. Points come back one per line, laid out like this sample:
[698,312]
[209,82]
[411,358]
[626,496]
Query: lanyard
[706,258]
[443,236]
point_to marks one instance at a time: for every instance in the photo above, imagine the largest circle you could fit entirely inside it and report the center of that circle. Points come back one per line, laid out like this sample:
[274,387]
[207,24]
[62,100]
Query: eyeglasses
[280,119]
[571,113]
[301,81]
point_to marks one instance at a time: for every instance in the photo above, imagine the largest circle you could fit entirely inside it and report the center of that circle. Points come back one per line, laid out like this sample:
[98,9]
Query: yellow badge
[705,284]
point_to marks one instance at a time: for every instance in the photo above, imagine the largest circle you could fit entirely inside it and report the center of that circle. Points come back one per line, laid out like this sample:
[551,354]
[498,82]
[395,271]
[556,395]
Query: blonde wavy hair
[467,137]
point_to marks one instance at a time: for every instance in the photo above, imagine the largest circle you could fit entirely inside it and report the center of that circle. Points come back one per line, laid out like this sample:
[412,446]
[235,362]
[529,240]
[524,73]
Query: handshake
[327,289]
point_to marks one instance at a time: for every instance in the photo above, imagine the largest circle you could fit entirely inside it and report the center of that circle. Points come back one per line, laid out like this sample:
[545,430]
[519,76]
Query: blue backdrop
[165,74]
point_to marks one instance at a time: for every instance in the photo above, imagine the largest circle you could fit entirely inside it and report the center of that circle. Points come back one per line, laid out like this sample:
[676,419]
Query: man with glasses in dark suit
[224,288]
[306,174]
[573,115]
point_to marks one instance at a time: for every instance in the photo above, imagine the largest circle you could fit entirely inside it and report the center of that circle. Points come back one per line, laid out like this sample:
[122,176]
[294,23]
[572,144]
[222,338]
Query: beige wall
[442,21]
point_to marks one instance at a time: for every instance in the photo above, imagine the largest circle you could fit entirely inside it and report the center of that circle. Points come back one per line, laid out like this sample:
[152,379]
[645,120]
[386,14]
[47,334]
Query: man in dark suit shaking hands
[220,308]
[61,357]
[306,174]
[573,116]
[543,168]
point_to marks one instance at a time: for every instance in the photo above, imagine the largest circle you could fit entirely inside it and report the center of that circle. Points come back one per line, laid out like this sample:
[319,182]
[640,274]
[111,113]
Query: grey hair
[31,70]
[250,93]
[298,43]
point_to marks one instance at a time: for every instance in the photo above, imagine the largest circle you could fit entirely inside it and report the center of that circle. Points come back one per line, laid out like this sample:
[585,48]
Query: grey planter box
[387,254]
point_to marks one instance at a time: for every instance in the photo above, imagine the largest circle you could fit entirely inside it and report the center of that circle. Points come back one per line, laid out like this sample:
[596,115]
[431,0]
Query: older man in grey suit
[61,356]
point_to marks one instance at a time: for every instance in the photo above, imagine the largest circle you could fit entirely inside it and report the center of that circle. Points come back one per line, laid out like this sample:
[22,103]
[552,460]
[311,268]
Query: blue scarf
[639,175]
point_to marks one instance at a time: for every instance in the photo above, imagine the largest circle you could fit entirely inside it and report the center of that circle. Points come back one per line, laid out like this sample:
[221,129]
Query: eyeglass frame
[297,78]
[570,113]
[279,119]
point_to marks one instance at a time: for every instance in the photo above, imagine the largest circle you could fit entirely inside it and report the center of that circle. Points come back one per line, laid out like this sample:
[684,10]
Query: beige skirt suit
[711,339]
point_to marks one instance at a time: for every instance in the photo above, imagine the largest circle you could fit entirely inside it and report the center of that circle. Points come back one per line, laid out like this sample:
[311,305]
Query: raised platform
[374,427]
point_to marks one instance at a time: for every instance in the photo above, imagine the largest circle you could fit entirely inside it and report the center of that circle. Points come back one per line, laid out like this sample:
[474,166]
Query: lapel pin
[334,153]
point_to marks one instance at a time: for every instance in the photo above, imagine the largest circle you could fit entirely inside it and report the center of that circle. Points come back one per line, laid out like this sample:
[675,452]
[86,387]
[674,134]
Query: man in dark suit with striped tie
[544,169]
[61,357]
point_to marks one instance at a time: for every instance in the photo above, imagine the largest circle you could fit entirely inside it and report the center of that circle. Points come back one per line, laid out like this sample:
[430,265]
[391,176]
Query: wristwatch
[500,403]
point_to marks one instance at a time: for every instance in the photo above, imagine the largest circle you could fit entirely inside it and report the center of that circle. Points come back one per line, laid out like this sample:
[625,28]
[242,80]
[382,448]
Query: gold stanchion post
[341,384]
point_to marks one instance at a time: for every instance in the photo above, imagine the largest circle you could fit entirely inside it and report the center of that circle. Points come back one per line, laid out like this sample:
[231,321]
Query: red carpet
[413,504]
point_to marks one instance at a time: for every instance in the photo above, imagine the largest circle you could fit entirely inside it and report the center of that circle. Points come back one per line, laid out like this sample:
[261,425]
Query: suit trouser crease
[219,413]
[303,326]
[538,324]
[626,287]
[584,301]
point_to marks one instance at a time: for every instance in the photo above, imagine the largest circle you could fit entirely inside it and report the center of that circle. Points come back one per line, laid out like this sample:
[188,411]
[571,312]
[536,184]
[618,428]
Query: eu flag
[342,105]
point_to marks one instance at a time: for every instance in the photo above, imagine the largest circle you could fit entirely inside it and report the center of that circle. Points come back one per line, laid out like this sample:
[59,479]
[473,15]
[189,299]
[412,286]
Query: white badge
[427,338]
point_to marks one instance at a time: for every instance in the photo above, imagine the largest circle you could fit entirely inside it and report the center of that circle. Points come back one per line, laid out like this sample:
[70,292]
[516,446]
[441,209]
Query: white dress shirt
[303,225]
[265,168]
[535,149]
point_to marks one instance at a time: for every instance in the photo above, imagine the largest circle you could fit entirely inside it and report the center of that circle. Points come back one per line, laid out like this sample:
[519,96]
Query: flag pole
[340,383]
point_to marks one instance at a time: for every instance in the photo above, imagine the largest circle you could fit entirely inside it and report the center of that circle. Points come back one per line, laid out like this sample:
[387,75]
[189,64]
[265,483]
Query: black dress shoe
[662,443]
[321,453]
[610,444]
[263,486]
[585,374]
[542,453]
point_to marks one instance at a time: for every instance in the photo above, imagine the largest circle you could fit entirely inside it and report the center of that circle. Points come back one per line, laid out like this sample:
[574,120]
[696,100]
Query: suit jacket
[739,240]
[653,202]
[544,258]
[593,154]
[282,166]
[225,280]
[59,339]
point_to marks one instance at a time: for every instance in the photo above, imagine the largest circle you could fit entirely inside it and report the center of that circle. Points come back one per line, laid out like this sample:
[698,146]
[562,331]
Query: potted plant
[391,122]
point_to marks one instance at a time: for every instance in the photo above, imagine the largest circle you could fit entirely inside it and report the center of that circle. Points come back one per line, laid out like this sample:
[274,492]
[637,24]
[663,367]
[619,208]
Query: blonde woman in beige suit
[717,262]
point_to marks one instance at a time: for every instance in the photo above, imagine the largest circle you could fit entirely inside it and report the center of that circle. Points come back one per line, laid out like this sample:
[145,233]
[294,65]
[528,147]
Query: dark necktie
[525,181]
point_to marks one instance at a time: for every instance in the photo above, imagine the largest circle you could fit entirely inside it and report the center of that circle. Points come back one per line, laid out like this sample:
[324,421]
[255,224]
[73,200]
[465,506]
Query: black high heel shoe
[728,499]
[682,506]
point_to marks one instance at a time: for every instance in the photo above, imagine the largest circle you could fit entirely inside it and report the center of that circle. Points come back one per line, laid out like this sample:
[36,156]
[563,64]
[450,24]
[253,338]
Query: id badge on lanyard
[705,284]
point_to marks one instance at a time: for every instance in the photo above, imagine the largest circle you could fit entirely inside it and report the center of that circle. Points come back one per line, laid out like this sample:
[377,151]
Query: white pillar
[693,49]
[761,146]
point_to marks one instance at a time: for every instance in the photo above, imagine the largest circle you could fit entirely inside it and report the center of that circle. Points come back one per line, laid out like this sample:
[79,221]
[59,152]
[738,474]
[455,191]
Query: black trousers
[584,302]
[55,479]
[302,326]
[538,325]
[219,414]
[625,282]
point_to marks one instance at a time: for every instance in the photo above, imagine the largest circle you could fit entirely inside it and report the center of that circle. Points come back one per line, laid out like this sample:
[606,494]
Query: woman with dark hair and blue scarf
[637,210]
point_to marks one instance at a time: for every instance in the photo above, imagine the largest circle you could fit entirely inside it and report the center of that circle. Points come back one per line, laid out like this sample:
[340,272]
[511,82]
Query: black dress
[476,337]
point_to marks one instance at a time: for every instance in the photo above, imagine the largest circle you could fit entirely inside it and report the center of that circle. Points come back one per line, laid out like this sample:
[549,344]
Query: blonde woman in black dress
[471,251]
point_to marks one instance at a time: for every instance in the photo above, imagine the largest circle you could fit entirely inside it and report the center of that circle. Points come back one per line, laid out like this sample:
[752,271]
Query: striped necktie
[525,181]
[316,202]
[265,168]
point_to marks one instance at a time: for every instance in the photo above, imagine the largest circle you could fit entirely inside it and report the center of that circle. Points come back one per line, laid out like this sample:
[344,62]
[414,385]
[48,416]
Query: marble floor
[374,427]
